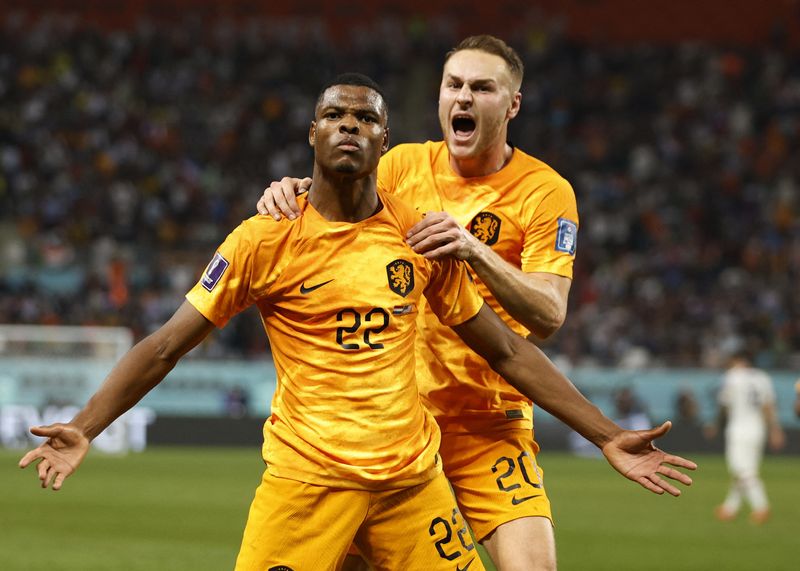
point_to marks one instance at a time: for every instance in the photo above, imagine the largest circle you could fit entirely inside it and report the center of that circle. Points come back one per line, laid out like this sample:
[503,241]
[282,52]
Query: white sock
[733,500]
[756,495]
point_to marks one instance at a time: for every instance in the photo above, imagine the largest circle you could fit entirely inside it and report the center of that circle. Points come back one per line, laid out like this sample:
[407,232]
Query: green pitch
[175,509]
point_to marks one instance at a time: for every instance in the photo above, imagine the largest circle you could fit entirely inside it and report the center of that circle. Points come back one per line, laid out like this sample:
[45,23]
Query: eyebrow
[355,109]
[479,81]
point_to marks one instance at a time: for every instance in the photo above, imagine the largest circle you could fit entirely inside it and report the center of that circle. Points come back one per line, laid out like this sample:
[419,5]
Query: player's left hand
[777,438]
[438,235]
[632,454]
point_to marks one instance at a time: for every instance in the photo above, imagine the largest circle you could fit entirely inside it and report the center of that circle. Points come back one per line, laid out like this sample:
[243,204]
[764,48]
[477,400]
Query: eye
[454,85]
[332,115]
[368,119]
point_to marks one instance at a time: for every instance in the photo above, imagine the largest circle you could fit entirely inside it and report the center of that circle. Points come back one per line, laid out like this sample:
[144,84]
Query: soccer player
[747,408]
[351,453]
[515,221]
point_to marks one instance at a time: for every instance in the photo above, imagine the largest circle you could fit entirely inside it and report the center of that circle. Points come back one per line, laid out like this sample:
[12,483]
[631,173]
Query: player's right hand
[279,198]
[59,456]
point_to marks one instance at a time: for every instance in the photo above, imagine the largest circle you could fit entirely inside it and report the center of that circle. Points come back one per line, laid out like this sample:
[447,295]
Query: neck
[489,162]
[343,198]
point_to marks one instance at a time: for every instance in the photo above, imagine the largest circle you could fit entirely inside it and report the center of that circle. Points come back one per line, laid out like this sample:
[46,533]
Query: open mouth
[463,126]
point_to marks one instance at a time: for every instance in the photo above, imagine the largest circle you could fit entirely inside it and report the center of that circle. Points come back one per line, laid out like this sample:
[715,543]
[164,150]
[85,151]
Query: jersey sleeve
[390,171]
[551,234]
[451,294]
[767,392]
[225,288]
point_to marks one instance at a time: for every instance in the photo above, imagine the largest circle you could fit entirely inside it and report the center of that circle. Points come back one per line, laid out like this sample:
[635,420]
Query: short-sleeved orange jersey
[339,302]
[527,213]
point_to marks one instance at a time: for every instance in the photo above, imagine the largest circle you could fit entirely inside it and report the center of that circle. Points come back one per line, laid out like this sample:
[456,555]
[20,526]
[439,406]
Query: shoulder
[539,173]
[259,232]
[414,151]
[263,226]
[397,209]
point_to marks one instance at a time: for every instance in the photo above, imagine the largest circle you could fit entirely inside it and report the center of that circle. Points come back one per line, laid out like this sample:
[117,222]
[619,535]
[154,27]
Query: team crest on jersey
[214,271]
[567,236]
[485,227]
[401,277]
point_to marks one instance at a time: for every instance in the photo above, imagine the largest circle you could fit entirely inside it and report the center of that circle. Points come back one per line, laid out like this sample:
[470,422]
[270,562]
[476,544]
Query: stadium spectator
[687,409]
[747,408]
[140,145]
[629,410]
[236,402]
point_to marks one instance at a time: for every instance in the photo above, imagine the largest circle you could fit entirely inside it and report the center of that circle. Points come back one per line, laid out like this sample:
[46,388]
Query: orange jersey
[339,302]
[527,214]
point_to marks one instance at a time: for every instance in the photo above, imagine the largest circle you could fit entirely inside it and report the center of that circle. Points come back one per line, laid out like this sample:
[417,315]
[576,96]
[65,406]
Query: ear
[516,101]
[385,143]
[312,133]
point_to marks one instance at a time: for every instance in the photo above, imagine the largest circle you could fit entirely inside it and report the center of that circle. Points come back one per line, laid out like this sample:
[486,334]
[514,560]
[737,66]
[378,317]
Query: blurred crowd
[127,156]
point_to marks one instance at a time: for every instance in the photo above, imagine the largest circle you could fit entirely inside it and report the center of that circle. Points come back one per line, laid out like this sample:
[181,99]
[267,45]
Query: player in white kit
[747,407]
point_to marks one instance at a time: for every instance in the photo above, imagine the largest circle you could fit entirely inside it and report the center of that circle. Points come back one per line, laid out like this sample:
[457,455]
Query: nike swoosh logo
[516,501]
[304,290]
[465,567]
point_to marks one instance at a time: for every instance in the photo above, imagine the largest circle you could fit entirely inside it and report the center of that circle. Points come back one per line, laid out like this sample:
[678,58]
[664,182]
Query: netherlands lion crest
[485,227]
[401,277]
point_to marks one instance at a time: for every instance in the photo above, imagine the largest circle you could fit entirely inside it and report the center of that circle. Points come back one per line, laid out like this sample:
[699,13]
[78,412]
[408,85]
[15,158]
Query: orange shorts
[495,477]
[301,527]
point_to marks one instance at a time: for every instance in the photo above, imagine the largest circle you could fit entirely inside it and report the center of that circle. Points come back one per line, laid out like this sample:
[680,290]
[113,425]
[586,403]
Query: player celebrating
[515,221]
[351,453]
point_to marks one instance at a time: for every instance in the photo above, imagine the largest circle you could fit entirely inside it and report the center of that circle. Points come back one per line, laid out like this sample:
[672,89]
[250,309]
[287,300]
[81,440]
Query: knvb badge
[567,236]
[400,274]
[214,271]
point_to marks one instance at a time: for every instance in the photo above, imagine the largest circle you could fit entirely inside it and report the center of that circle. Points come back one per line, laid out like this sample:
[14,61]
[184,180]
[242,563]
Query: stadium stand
[126,155]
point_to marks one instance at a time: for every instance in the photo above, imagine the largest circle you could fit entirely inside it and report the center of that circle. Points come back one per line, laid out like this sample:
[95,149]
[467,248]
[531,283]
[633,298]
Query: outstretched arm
[139,370]
[522,364]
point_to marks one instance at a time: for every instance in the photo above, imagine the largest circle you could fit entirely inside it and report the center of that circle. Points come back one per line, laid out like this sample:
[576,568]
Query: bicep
[182,332]
[560,286]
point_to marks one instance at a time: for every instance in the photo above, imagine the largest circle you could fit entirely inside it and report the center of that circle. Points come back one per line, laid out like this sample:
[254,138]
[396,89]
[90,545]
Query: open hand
[60,455]
[632,454]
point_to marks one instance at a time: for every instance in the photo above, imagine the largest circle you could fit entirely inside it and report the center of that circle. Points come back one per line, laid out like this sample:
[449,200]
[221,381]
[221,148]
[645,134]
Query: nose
[464,97]
[349,125]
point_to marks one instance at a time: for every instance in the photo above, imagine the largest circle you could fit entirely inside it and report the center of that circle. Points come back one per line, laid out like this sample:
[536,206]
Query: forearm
[771,416]
[535,303]
[535,376]
[139,370]
[142,368]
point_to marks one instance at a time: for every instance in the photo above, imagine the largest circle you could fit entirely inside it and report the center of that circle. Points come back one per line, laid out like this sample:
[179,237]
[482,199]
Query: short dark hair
[352,78]
[744,354]
[494,46]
